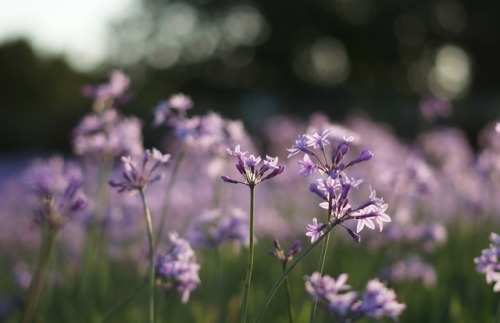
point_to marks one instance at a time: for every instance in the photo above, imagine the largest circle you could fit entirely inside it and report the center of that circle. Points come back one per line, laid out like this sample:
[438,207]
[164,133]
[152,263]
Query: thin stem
[124,302]
[289,268]
[168,193]
[250,257]
[36,286]
[151,277]
[322,259]
[288,297]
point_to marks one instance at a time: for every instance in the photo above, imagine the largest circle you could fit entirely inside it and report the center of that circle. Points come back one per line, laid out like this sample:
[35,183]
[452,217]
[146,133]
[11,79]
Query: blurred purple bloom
[488,263]
[345,305]
[247,167]
[315,230]
[107,134]
[177,269]
[411,269]
[432,108]
[180,102]
[332,293]
[214,227]
[378,301]
[58,186]
[138,174]
[105,94]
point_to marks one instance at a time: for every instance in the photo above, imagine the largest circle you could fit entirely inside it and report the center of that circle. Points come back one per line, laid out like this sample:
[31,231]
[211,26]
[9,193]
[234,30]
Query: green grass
[460,295]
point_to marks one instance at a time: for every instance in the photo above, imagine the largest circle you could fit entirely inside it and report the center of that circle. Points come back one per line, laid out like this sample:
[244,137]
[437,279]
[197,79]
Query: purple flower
[300,146]
[180,102]
[332,293]
[177,269]
[345,305]
[315,230]
[247,167]
[58,186]
[107,134]
[307,167]
[214,227]
[488,263]
[378,301]
[318,141]
[138,174]
[432,108]
[105,94]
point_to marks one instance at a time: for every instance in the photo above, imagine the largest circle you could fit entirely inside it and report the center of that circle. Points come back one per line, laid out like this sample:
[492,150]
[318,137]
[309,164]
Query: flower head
[106,94]
[138,174]
[214,227]
[247,166]
[58,186]
[378,301]
[488,263]
[315,230]
[177,269]
[107,133]
[345,305]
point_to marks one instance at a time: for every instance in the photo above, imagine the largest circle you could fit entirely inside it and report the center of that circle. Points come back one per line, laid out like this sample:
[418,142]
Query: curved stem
[36,286]
[168,193]
[322,259]
[289,268]
[250,257]
[151,273]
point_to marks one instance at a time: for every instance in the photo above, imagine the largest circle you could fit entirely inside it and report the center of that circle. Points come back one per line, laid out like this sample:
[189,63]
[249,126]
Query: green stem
[322,260]
[36,286]
[289,268]
[250,257]
[151,268]
[168,195]
[288,297]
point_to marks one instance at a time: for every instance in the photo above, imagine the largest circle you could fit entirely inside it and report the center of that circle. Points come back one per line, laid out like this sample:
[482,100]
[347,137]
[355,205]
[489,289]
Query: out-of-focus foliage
[40,99]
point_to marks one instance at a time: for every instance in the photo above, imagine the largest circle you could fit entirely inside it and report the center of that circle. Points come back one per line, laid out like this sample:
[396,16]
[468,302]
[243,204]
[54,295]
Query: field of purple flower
[316,221]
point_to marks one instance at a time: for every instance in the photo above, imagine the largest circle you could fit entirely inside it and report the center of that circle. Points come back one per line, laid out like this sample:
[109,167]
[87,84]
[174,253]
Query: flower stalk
[248,278]
[47,248]
[289,269]
[151,268]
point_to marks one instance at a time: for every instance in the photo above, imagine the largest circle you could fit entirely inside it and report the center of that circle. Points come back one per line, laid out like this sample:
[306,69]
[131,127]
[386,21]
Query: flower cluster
[138,174]
[178,269]
[488,263]
[214,227]
[106,95]
[58,186]
[107,133]
[247,166]
[335,187]
[208,132]
[377,301]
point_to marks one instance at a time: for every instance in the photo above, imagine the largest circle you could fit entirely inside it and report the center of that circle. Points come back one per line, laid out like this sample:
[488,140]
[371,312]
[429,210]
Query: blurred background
[248,60]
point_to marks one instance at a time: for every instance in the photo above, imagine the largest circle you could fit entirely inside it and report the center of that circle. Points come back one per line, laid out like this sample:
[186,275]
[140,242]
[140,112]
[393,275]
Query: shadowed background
[254,59]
